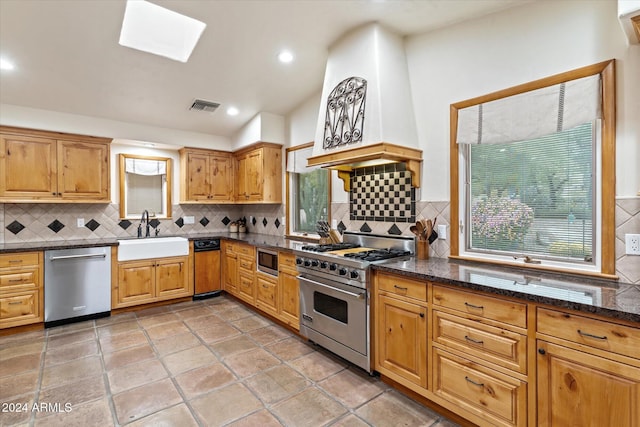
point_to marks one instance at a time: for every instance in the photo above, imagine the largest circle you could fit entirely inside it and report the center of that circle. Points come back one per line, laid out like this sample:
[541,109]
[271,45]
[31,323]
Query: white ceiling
[68,58]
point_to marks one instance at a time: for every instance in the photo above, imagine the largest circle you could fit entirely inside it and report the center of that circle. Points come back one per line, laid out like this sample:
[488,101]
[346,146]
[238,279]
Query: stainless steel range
[334,291]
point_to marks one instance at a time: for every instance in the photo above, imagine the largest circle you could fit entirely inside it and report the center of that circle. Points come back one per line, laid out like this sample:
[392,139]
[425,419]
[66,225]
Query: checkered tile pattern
[382,194]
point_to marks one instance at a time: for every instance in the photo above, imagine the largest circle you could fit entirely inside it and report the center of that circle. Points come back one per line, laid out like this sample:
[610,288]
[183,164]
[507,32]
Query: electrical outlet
[632,244]
[80,222]
[189,219]
[442,232]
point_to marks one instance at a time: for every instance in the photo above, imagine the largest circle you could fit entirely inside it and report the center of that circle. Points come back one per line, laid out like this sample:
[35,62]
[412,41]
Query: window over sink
[145,184]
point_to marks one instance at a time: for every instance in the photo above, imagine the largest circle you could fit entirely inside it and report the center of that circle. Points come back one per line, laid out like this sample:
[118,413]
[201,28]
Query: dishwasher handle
[57,258]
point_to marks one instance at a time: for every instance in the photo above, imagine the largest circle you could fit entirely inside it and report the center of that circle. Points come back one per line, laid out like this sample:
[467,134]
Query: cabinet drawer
[24,277]
[402,286]
[18,259]
[496,345]
[498,398]
[487,307]
[18,307]
[286,261]
[247,264]
[591,332]
[246,250]
[230,248]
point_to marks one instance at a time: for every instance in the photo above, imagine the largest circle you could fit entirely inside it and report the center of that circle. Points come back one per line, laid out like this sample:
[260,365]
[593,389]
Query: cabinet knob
[421,314]
[542,351]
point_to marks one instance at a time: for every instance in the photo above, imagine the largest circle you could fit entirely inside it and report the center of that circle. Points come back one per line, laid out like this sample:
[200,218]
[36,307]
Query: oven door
[336,311]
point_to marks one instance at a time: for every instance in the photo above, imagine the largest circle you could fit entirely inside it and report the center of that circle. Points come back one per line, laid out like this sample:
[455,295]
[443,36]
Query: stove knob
[307,263]
[314,263]
[354,274]
[299,261]
[342,271]
[333,267]
[324,264]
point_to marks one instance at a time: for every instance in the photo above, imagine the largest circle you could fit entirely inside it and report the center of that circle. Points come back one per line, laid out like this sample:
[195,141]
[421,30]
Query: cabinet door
[172,278]
[254,175]
[402,340]
[242,190]
[267,294]
[579,389]
[246,287]
[197,176]
[136,282]
[207,272]
[20,308]
[289,294]
[83,170]
[222,177]
[230,272]
[27,167]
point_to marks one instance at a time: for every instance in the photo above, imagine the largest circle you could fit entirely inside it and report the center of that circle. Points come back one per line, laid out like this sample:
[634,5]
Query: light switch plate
[442,231]
[189,219]
[80,222]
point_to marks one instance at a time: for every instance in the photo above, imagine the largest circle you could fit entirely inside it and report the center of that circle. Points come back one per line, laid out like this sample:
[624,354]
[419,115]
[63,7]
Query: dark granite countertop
[56,244]
[590,295]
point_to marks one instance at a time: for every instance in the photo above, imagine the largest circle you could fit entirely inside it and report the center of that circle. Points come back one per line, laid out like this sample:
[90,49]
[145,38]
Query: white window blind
[145,166]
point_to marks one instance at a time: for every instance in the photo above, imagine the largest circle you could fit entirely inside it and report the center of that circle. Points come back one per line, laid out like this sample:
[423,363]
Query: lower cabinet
[21,289]
[267,293]
[229,267]
[288,290]
[145,281]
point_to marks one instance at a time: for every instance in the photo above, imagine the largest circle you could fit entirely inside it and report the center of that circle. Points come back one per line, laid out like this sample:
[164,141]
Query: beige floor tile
[318,365]
[117,342]
[220,304]
[167,330]
[251,362]
[71,352]
[18,385]
[290,348]
[186,305]
[176,343]
[178,416]
[116,318]
[73,371]
[350,421]
[20,364]
[71,327]
[95,413]
[194,312]
[309,408]
[57,341]
[277,383]
[204,380]
[191,358]
[226,404]
[233,346]
[250,323]
[159,319]
[153,311]
[147,399]
[269,335]
[75,393]
[353,388]
[21,349]
[22,338]
[217,332]
[18,410]
[121,358]
[234,313]
[261,418]
[137,374]
[203,322]
[391,408]
[119,328]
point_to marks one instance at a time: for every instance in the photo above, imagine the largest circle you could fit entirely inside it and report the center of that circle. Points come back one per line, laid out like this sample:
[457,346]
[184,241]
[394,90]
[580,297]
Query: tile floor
[201,363]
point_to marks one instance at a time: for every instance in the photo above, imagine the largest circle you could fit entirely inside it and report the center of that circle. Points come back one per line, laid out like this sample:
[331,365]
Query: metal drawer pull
[15,261]
[56,258]
[400,288]
[466,337]
[15,280]
[473,382]
[598,337]
[15,303]
[479,307]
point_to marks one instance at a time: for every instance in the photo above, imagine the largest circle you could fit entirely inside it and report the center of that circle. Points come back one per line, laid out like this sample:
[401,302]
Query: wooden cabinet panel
[83,170]
[230,272]
[495,397]
[19,259]
[289,299]
[206,176]
[222,177]
[579,389]
[500,310]
[26,276]
[247,288]
[595,333]
[136,282]
[196,169]
[207,272]
[27,167]
[20,308]
[401,340]
[259,174]
[21,293]
[172,278]
[495,345]
[267,293]
[403,286]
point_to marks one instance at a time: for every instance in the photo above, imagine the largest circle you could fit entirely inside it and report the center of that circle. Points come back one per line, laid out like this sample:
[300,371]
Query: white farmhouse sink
[152,247]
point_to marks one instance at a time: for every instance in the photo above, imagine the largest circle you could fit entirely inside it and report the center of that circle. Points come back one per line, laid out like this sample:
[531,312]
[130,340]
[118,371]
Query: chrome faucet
[147,234]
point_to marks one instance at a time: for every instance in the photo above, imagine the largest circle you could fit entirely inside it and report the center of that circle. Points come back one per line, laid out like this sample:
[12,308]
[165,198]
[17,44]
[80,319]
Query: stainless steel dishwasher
[77,285]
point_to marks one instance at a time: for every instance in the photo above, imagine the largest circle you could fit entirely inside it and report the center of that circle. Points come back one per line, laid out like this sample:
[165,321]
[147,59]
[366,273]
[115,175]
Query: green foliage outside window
[312,200]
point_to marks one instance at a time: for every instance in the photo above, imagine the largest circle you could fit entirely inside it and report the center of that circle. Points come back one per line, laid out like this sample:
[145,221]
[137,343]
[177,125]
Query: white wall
[301,123]
[263,127]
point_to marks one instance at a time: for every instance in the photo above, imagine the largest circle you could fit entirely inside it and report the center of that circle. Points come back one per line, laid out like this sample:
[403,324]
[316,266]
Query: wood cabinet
[229,267]
[267,293]
[37,166]
[401,329]
[239,270]
[206,176]
[146,281]
[588,371]
[259,174]
[207,272]
[21,289]
[288,290]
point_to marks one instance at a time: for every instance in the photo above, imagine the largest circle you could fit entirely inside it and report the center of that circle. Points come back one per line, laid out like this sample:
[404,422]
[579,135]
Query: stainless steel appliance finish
[77,284]
[267,261]
[334,291]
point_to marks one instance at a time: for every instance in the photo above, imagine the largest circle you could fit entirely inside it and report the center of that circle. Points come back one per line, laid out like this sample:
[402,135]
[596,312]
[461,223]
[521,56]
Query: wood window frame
[607,166]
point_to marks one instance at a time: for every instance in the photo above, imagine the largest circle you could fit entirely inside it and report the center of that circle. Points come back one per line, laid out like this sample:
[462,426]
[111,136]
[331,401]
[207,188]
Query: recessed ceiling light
[154,29]
[5,64]
[285,56]
[232,111]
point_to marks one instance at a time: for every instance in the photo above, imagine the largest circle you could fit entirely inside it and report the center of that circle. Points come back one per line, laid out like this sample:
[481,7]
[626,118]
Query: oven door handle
[322,285]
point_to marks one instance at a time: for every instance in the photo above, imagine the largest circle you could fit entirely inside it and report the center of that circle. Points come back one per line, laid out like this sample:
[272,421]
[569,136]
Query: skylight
[154,29]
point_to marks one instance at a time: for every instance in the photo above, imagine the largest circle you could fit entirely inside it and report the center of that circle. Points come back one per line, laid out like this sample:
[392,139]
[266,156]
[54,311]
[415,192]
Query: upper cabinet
[250,175]
[38,166]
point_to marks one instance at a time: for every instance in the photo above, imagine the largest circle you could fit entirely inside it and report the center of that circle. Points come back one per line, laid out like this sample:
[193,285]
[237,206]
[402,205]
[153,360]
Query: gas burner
[330,247]
[377,254]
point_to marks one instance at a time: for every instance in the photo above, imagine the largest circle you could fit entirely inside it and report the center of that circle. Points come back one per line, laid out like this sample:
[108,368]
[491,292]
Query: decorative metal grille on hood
[345,113]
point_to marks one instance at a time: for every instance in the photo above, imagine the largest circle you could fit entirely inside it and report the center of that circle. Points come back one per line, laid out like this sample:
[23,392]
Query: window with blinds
[533,197]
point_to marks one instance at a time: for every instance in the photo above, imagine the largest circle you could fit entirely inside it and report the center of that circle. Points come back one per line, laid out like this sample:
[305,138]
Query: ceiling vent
[202,105]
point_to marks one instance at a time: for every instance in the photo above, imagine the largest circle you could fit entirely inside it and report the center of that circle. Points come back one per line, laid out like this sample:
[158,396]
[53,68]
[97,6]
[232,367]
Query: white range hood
[386,129]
